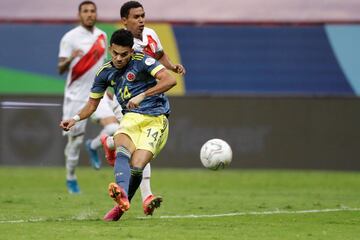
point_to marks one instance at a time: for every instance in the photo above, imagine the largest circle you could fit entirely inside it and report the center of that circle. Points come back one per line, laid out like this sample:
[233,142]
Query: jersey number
[154,134]
[124,94]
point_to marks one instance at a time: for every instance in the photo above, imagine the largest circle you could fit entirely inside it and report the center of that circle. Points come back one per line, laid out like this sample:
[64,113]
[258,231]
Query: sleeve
[65,47]
[159,47]
[151,65]
[100,85]
[106,47]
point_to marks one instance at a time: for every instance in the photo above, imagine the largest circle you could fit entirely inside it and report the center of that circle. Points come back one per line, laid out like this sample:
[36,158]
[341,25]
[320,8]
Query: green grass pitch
[198,204]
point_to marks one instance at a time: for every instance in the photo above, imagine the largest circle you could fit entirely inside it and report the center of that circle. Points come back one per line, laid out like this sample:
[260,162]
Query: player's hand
[179,69]
[67,124]
[77,53]
[135,101]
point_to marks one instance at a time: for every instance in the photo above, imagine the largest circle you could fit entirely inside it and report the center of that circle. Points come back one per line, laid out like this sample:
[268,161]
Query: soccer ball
[215,154]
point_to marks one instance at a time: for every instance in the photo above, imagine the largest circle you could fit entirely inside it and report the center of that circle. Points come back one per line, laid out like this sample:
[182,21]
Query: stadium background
[280,83]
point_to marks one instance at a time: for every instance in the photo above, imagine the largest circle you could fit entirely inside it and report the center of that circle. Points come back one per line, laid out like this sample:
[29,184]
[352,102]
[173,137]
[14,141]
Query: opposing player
[82,52]
[145,40]
[139,82]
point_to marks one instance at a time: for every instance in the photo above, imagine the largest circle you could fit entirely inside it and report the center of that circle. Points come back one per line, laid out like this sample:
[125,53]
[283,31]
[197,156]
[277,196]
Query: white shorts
[107,108]
[70,109]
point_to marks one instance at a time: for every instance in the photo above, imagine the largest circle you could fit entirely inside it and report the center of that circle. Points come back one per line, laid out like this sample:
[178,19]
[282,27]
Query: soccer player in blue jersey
[139,82]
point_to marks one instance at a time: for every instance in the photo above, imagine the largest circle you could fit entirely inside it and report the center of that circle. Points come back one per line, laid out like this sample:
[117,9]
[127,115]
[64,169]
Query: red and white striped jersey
[150,43]
[82,70]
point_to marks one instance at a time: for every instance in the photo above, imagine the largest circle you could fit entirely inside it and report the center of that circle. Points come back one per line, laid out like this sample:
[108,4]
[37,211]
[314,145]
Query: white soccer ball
[215,154]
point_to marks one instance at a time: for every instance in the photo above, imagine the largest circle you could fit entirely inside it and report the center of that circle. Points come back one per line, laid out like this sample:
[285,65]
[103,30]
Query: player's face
[135,22]
[87,15]
[120,55]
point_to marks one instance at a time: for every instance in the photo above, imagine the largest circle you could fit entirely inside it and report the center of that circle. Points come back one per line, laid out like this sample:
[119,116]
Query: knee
[72,149]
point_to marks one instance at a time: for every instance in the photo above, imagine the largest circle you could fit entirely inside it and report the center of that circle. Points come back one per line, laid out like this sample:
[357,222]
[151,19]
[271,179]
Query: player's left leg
[139,160]
[152,140]
[110,125]
[150,201]
[145,186]
[107,119]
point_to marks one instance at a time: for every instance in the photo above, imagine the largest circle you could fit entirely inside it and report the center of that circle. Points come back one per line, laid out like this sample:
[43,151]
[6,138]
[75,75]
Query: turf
[35,205]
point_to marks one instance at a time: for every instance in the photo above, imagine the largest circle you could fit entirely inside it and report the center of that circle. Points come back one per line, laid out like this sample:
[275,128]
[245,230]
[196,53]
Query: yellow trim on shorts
[156,70]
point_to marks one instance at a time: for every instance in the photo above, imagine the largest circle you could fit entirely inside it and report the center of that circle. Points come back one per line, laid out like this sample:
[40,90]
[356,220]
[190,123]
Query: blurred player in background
[139,82]
[145,40]
[82,52]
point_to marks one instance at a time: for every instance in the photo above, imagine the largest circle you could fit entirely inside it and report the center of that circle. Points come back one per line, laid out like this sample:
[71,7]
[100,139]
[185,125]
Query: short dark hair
[125,8]
[85,3]
[122,37]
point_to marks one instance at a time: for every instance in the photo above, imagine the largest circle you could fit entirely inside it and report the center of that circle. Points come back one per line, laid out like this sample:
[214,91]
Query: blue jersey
[135,78]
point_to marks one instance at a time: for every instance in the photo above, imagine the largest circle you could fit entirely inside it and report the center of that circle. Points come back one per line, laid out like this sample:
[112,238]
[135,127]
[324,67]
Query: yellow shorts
[147,132]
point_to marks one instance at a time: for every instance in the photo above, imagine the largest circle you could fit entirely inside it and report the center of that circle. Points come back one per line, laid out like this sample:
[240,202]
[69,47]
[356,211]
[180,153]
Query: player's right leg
[72,152]
[118,191]
[75,139]
[114,214]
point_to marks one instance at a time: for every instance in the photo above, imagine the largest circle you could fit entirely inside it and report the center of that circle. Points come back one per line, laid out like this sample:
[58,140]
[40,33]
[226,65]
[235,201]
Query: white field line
[19,105]
[261,213]
[82,218]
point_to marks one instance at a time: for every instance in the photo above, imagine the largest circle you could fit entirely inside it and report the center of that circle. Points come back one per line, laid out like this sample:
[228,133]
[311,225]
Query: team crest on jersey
[130,76]
[149,61]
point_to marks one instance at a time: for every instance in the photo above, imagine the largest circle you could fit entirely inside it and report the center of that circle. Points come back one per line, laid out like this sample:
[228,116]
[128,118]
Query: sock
[109,130]
[72,152]
[145,183]
[110,142]
[135,180]
[95,142]
[122,168]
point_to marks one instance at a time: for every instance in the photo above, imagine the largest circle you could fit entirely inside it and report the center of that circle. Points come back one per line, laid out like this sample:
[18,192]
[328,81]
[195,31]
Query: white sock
[145,182]
[95,143]
[72,152]
[70,169]
[109,130]
[110,142]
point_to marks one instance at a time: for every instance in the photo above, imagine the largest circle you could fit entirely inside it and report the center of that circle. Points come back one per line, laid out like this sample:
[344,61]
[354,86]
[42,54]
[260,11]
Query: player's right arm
[64,62]
[67,54]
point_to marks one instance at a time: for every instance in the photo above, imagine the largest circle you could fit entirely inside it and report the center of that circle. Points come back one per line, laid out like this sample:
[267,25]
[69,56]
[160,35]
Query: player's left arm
[164,59]
[165,82]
